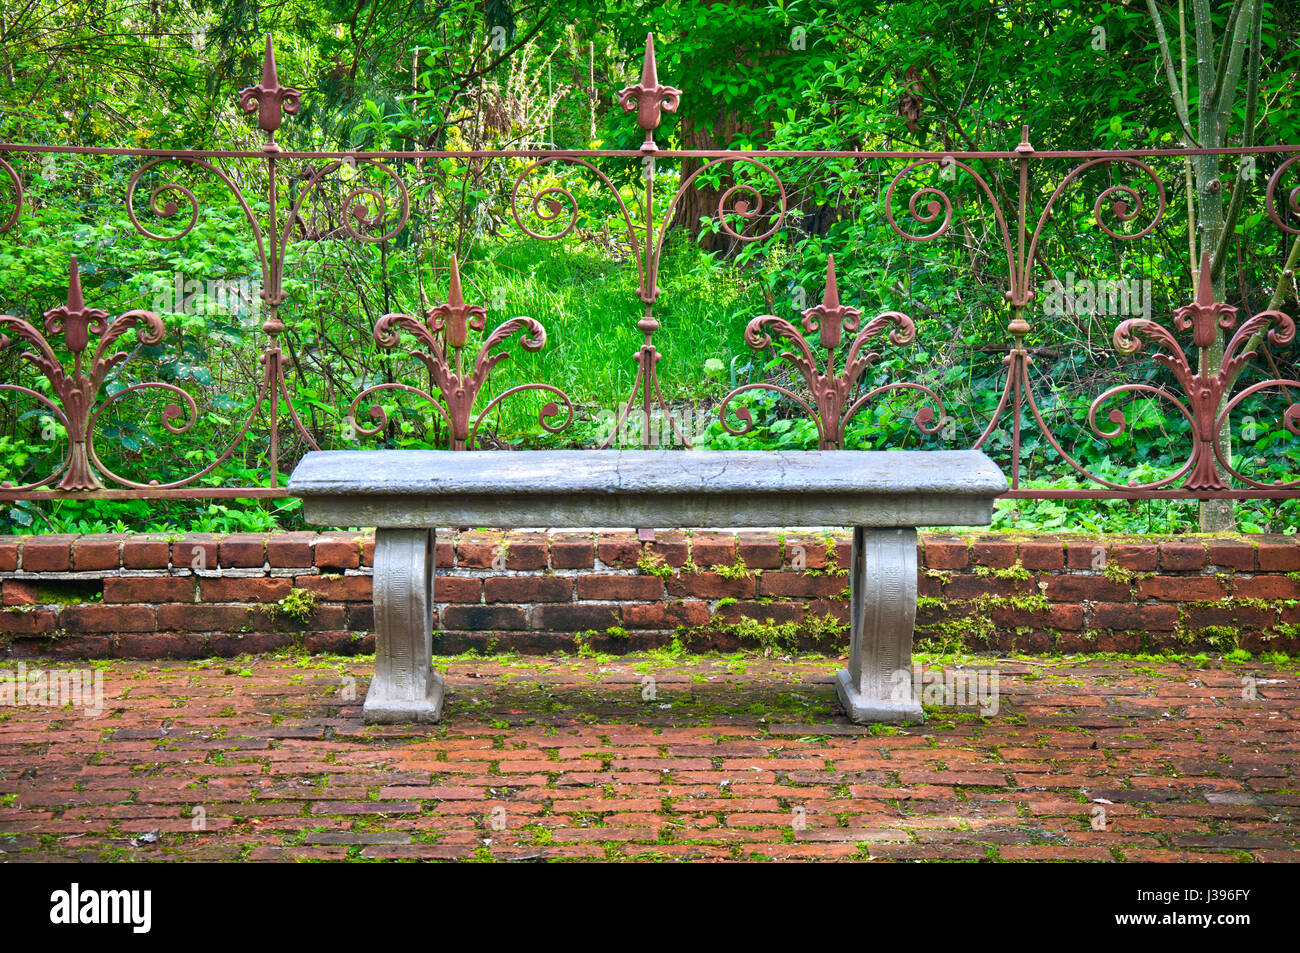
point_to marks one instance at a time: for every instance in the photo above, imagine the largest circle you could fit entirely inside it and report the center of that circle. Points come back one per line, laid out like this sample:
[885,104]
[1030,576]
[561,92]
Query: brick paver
[733,758]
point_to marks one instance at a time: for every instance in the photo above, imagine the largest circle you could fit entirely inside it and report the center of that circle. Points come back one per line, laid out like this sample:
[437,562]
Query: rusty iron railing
[833,390]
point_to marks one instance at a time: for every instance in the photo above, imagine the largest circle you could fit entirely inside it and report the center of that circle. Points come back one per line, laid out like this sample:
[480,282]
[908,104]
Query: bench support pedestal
[405,689]
[877,685]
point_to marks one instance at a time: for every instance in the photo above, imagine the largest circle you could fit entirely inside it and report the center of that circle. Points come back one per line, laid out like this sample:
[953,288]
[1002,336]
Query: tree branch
[1179,99]
[1247,139]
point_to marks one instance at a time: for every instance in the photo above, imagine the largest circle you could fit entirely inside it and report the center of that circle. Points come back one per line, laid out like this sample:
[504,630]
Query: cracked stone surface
[630,488]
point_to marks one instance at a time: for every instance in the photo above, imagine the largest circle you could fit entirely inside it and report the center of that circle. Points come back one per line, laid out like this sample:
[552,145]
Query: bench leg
[877,685]
[405,688]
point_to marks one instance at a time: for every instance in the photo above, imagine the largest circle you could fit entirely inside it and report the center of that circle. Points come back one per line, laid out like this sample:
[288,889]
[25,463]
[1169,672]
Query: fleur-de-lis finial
[74,319]
[458,382]
[648,98]
[832,405]
[1206,387]
[830,318]
[74,393]
[268,97]
[455,317]
[1205,315]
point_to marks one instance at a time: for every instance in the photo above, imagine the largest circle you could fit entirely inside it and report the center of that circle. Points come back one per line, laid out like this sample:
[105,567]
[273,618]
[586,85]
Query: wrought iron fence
[829,350]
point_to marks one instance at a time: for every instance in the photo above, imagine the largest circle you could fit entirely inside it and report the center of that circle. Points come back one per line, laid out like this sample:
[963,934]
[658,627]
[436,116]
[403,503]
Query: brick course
[151,597]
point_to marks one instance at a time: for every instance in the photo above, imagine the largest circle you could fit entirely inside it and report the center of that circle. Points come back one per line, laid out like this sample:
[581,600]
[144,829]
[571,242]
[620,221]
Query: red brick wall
[142,597]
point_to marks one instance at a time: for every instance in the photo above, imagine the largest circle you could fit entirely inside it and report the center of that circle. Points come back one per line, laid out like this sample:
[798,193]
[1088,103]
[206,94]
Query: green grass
[590,309]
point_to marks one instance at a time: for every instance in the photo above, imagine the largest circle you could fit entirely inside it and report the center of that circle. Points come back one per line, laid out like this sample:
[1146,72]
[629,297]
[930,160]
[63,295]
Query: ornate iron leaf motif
[365,219]
[648,98]
[1205,390]
[830,387]
[76,393]
[556,208]
[443,342]
[268,98]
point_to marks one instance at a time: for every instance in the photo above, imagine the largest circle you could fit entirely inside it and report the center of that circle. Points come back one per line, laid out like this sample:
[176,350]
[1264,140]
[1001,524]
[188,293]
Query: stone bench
[883,495]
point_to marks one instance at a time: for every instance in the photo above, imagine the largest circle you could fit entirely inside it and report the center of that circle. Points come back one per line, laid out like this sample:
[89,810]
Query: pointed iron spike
[454,296]
[649,71]
[270,79]
[75,300]
[1025,147]
[1205,287]
[831,298]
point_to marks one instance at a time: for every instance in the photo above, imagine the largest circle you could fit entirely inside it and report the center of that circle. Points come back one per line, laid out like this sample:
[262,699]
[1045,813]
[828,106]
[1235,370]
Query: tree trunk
[700,201]
[1215,515]
[1219,70]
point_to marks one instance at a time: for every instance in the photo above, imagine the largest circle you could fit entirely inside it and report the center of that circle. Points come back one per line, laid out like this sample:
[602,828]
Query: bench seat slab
[507,489]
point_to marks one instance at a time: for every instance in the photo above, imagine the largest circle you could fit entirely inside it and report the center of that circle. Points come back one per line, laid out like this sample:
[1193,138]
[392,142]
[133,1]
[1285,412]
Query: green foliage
[736,571]
[652,565]
[299,604]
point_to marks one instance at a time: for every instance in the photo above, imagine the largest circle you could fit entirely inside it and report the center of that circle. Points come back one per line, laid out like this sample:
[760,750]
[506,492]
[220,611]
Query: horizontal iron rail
[657,153]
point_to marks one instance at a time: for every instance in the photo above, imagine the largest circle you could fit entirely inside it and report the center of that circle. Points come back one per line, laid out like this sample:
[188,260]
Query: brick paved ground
[740,758]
